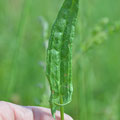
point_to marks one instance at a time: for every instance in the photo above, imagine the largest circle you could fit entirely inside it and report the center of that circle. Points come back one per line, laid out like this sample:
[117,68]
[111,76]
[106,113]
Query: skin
[9,111]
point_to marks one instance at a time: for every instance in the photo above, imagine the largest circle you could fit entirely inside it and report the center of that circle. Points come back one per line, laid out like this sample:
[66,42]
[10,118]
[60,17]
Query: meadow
[24,32]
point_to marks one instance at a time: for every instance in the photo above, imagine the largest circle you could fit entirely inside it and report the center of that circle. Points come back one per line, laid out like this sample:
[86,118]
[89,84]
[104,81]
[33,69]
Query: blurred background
[24,32]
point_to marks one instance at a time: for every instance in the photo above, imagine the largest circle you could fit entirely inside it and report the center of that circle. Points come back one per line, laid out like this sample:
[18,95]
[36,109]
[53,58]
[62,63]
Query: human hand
[9,111]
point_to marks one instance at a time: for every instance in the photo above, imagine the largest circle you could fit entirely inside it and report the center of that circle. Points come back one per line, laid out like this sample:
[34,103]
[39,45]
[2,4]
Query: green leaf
[59,55]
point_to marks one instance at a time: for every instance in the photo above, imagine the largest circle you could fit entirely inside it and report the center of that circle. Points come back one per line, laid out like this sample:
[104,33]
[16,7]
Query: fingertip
[67,117]
[45,114]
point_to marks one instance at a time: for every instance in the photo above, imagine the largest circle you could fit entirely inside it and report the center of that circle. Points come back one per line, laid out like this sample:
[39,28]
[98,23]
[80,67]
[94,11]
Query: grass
[19,37]
[95,75]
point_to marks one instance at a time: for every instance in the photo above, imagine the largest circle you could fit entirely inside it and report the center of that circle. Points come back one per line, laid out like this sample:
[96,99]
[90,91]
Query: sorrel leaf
[59,55]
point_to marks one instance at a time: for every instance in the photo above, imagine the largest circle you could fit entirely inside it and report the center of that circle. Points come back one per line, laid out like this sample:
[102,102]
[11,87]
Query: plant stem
[61,108]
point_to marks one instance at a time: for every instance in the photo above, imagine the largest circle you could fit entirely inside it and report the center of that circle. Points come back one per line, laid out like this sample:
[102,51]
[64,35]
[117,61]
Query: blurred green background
[24,30]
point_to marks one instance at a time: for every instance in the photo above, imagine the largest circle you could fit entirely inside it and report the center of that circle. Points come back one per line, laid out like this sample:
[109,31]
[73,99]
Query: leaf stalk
[61,108]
